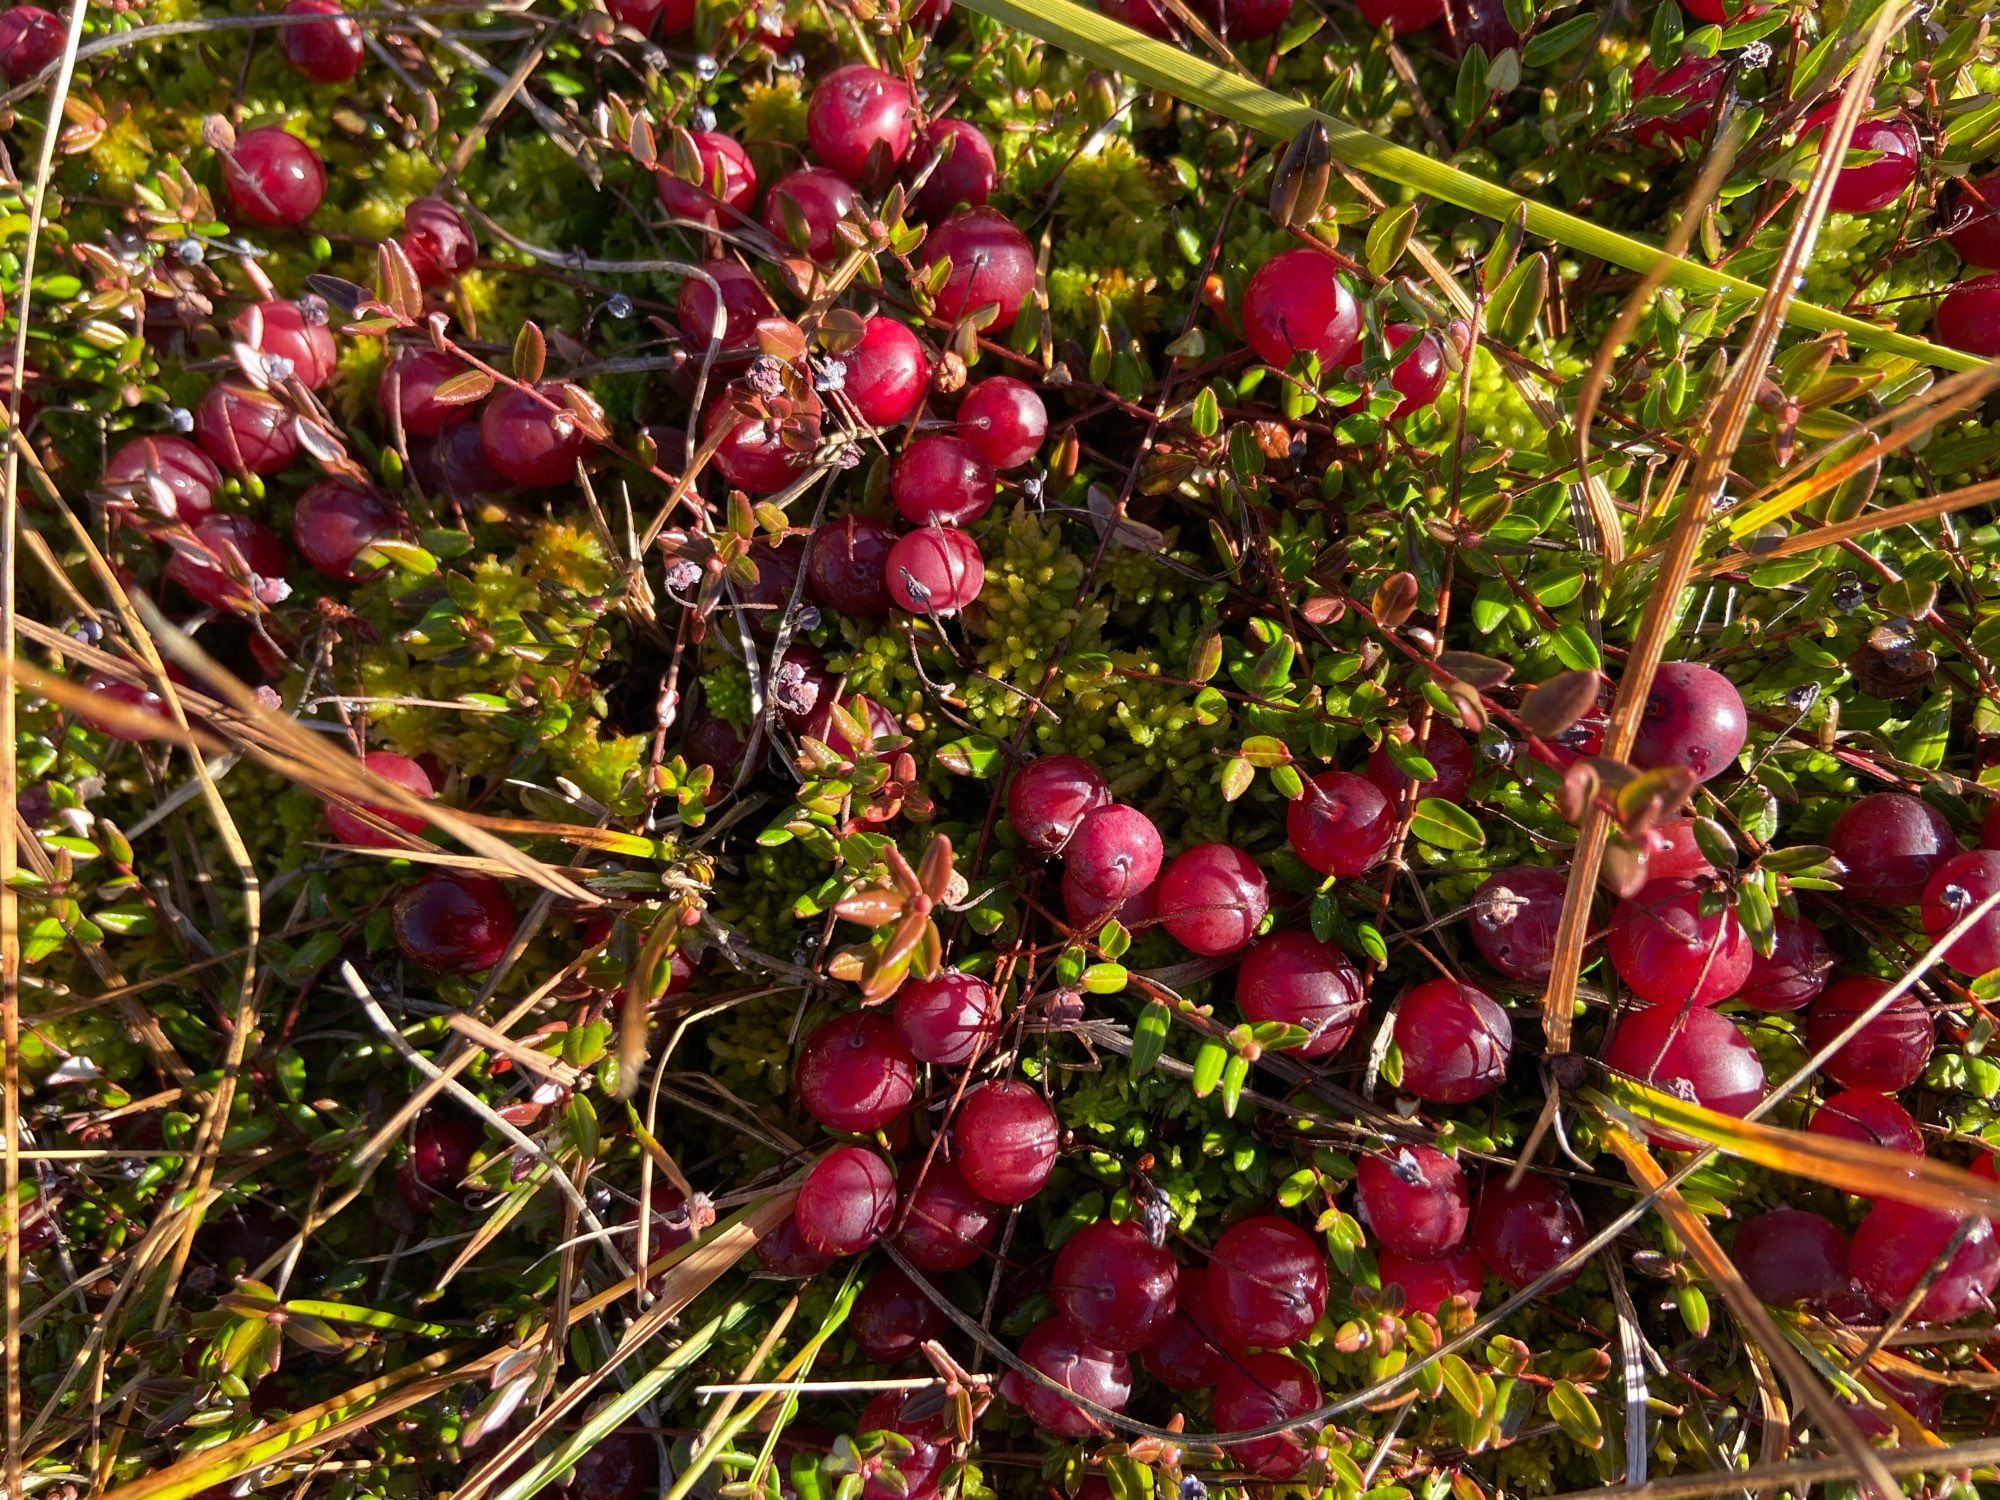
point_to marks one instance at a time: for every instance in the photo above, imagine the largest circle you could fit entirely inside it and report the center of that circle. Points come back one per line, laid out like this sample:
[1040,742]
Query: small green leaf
[1389,237]
[1575,1415]
[1208,1065]
[1518,301]
[1446,825]
[1575,649]
[1149,1037]
[1104,979]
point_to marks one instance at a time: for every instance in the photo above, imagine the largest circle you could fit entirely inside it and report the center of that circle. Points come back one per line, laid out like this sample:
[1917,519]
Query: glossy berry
[1450,757]
[1049,796]
[758,454]
[854,1074]
[1968,317]
[1793,973]
[1976,232]
[946,1225]
[846,1202]
[1260,1389]
[1004,419]
[1296,303]
[885,373]
[713,741]
[1682,101]
[803,210]
[965,172]
[1415,1200]
[948,1019]
[1722,12]
[1871,1118]
[1670,851]
[129,699]
[891,1318]
[1427,1285]
[294,332]
[272,178]
[328,50]
[1668,953]
[346,827]
[231,562]
[922,1418]
[845,564]
[1212,898]
[1006,1136]
[1402,16]
[784,1252]
[1340,824]
[1899,1245]
[1266,1282]
[1054,1348]
[1525,1231]
[1885,1055]
[165,475]
[1870,185]
[535,443]
[724,186]
[454,465]
[454,922]
[1114,1285]
[1114,852]
[1989,828]
[1954,892]
[1418,375]
[1693,1054]
[442,1147]
[858,122]
[1455,1041]
[245,430]
[31,38]
[936,571]
[1789,1256]
[992,266]
[940,478]
[742,302]
[1891,844]
[1513,920]
[336,521]
[1246,20]
[671,16]
[1182,1353]
[408,388]
[1295,979]
[1694,718]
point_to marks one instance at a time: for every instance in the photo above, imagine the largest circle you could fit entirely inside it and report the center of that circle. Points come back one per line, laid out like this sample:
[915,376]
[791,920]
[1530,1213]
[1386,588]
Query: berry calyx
[1004,419]
[940,478]
[1296,980]
[1212,898]
[1266,1282]
[854,1074]
[1114,1285]
[454,922]
[936,571]
[1341,824]
[272,178]
[1297,304]
[858,122]
[326,51]
[1115,851]
[1455,1041]
[1006,1137]
[1415,1200]
[846,1202]
[992,266]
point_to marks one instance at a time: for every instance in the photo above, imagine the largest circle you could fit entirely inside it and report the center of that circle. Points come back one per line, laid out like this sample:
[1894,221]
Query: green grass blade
[1160,65]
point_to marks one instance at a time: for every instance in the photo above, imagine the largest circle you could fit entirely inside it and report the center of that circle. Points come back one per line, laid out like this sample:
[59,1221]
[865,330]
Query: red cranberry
[1212,899]
[846,1202]
[949,1019]
[1295,979]
[671,16]
[534,445]
[1793,973]
[1668,953]
[442,1146]
[273,178]
[244,430]
[1515,914]
[1055,1349]
[1989,828]
[1255,1391]
[1671,852]
[350,828]
[1953,893]
[714,742]
[965,173]
[1049,796]
[1723,12]
[804,208]
[941,478]
[1341,824]
[293,332]
[755,456]
[1006,1136]
[1004,419]
[885,373]
[922,1419]
[1976,235]
[130,696]
[784,1252]
[724,190]
[1089,910]
[845,564]
[336,521]
[1402,16]
[1450,756]
[992,266]
[1114,851]
[409,389]
[1691,89]
[879,722]
[1418,376]
[1297,304]
[437,241]
[1266,1282]
[187,478]
[230,563]
[1875,184]
[1183,1353]
[1790,1256]
[454,465]
[936,571]
[778,565]
[1891,844]
[30,40]
[1694,718]
[1885,1055]
[1693,1054]
[1455,1041]
[1871,1118]
[1428,1285]
[858,122]
[1525,1231]
[1922,1404]
[1147,16]
[454,922]
[854,1074]
[1247,20]
[1899,1245]
[327,51]
[891,1320]
[744,304]
[1114,1285]
[1414,1198]
[1969,317]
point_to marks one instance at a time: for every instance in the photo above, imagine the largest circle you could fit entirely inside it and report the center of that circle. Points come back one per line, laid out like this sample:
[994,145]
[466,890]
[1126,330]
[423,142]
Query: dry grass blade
[1832,534]
[1803,1474]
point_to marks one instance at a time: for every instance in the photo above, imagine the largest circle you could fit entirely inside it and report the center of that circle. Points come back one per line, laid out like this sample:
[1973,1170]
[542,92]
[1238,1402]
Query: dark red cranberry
[1670,851]
[1969,317]
[1294,979]
[132,698]
[714,742]
[1989,828]
[1793,973]
[336,521]
[454,922]
[744,304]
[1049,796]
[1899,1245]
[1428,1285]
[1668,953]
[1893,143]
[1266,1282]
[409,389]
[1212,898]
[891,1319]
[1402,16]
[1450,756]
[1147,16]
[273,178]
[1871,1118]
[1004,419]
[799,685]
[437,241]
[845,564]
[1691,1053]
[778,566]
[846,1202]
[1953,893]
[535,443]
[291,331]
[1694,718]
[923,1419]
[948,1019]
[1182,1352]
[941,478]
[442,1146]
[965,173]
[1296,304]
[936,571]
[992,266]
[1006,1137]
[1455,1041]
[1891,843]
[885,373]
[231,562]
[1341,824]
[1089,910]
[672,17]
[1415,1199]
[755,456]
[1247,20]
[1790,1256]
[455,465]
[1055,1349]
[854,1073]
[326,51]
[30,40]
[946,1225]
[725,187]
[1514,918]
[1260,1389]
[1723,12]
[1114,851]
[858,122]
[1885,1055]
[1688,94]
[1114,1285]
[166,475]
[350,828]
[1525,1231]
[804,208]
[1975,234]
[784,1252]
[1418,376]
[245,430]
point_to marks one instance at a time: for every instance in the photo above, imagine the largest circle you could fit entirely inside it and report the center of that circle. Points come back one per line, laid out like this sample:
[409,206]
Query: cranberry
[965,173]
[349,828]
[1450,756]
[754,456]
[1793,973]
[1953,893]
[854,1074]
[949,1019]
[1693,1054]
[1670,851]
[1114,1285]
[1891,844]
[1005,1135]
[1295,979]
[437,241]
[992,266]
[940,478]
[1418,376]
[1722,12]
[273,178]
[454,922]
[230,563]
[846,1202]
[778,565]
[442,1146]
[671,16]
[327,51]
[1147,16]
[1266,1282]
[1004,419]
[1089,910]
[1247,20]
[1989,828]
[1515,914]
[844,566]
[1115,851]
[1341,824]
[885,373]
[1415,1200]
[1428,1285]
[167,474]
[1455,1041]
[922,1418]
[1876,184]
[454,464]
[244,430]
[1691,88]
[804,208]
[714,742]
[1694,718]
[535,445]
[1900,1244]
[1885,1055]
[1402,16]
[1969,317]
[1212,899]
[1296,304]
[130,696]
[1182,1352]
[1056,1350]
[30,40]
[293,332]
[1049,796]
[725,186]
[891,1319]
[1790,1256]
[858,122]
[1668,953]
[1871,1118]
[409,389]
[784,1252]
[1976,235]
[1525,1231]
[936,571]
[336,521]
[1260,1389]
[744,304]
